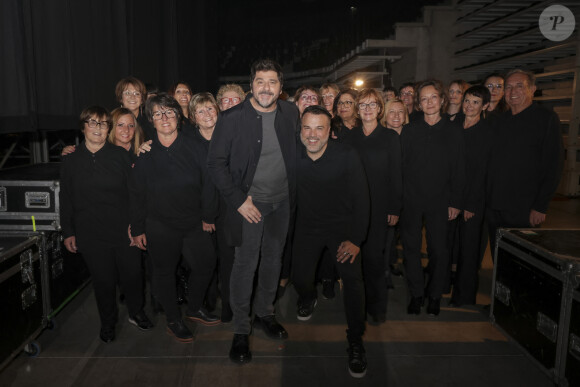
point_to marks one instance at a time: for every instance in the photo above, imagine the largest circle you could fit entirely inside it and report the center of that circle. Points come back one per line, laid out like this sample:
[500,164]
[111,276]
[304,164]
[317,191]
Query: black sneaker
[305,310]
[141,321]
[240,350]
[327,289]
[357,361]
[180,331]
[204,317]
[107,334]
[415,305]
[434,306]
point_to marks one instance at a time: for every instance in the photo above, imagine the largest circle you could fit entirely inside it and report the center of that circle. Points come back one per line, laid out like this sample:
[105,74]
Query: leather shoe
[434,306]
[180,331]
[107,334]
[202,316]
[240,350]
[271,327]
[415,305]
[141,321]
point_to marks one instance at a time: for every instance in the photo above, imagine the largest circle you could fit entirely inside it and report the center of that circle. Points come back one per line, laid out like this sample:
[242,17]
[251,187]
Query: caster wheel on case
[32,349]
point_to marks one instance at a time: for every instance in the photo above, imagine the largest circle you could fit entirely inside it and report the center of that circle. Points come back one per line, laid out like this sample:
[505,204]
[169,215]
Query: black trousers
[436,234]
[166,245]
[504,219]
[307,251]
[469,259]
[225,254]
[374,268]
[110,266]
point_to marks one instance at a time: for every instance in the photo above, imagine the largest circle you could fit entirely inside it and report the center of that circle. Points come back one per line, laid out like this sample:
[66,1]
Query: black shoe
[415,305]
[357,361]
[434,306]
[141,321]
[107,334]
[378,318]
[327,289]
[305,310]
[227,313]
[180,331]
[271,327]
[202,316]
[240,350]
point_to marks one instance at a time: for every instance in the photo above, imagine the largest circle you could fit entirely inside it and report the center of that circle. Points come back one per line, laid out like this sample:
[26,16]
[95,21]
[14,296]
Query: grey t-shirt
[270,184]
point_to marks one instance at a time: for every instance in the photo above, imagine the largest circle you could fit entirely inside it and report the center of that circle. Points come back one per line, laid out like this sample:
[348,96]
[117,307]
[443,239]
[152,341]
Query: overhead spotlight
[359,82]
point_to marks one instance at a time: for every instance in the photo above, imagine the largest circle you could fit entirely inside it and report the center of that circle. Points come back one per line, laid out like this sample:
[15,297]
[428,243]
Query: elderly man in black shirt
[526,159]
[332,213]
[251,160]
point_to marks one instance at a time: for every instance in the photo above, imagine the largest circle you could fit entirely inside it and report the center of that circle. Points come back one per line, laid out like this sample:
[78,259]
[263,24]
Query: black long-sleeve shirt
[171,185]
[477,152]
[433,164]
[332,194]
[526,161]
[380,153]
[94,196]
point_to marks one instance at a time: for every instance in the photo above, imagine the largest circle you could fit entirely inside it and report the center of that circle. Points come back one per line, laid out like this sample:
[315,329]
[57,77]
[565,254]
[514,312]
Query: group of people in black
[269,192]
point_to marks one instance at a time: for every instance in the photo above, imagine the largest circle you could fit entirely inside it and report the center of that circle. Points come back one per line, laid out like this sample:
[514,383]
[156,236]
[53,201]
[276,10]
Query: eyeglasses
[131,93]
[167,113]
[345,103]
[306,98]
[93,124]
[202,112]
[328,96]
[492,86]
[407,93]
[363,106]
[231,101]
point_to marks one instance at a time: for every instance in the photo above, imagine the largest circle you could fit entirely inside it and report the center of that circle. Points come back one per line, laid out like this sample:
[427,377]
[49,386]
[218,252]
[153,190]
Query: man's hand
[71,244]
[140,241]
[249,211]
[207,227]
[468,215]
[536,218]
[392,219]
[452,213]
[347,250]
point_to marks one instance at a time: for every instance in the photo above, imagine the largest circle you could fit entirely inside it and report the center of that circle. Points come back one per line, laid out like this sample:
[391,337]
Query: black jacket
[234,152]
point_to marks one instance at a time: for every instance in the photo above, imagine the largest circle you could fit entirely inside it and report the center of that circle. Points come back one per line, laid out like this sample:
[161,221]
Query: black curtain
[59,56]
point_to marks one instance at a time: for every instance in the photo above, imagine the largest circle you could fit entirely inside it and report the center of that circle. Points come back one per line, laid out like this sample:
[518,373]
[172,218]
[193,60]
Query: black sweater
[332,195]
[433,164]
[171,185]
[94,196]
[380,153]
[477,152]
[526,161]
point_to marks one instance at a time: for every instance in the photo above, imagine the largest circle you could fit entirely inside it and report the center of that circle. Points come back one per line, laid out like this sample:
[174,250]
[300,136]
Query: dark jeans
[263,245]
[109,266]
[166,245]
[374,267]
[504,219]
[308,250]
[468,263]
[436,234]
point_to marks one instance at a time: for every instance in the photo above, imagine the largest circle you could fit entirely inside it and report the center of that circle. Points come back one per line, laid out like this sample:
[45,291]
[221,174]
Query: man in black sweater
[333,208]
[527,158]
[251,160]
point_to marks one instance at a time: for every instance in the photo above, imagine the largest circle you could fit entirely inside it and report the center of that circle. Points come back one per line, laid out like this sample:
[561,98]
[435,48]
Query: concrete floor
[458,348]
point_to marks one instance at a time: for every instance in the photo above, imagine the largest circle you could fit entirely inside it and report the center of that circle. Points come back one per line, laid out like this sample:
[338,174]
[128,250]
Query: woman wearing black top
[182,93]
[131,93]
[380,152]
[344,116]
[433,171]
[477,134]
[172,203]
[94,201]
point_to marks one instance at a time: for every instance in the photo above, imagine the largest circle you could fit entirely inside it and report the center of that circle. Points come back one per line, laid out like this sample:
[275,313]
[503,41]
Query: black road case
[536,273]
[21,293]
[29,197]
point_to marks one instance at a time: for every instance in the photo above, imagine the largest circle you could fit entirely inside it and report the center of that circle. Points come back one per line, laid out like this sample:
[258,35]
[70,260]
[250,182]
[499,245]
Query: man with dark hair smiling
[325,220]
[252,162]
